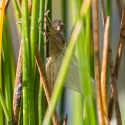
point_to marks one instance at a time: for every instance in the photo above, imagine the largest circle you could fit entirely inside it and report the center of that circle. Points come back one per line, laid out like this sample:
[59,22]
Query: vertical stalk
[64,20]
[114,93]
[17,89]
[2,6]
[33,33]
[97,61]
[104,65]
[6,72]
[42,104]
[33,40]
[11,54]
[7,114]
[48,6]
[108,7]
[28,109]
[18,12]
[84,64]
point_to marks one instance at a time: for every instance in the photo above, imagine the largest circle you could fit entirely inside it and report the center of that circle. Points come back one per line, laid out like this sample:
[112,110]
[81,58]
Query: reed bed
[26,97]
